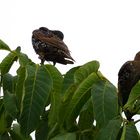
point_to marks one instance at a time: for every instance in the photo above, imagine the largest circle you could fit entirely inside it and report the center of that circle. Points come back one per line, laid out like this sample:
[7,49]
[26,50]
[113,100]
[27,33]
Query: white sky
[103,30]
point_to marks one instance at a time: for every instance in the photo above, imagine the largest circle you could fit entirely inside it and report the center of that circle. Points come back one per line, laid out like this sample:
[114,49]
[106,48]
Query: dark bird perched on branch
[128,76]
[49,45]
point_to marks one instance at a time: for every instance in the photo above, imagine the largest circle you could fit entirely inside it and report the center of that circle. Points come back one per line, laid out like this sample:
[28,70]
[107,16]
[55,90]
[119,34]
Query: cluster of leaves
[80,105]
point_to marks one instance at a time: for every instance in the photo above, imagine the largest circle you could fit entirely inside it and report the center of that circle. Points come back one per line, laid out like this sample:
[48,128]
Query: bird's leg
[42,61]
[54,63]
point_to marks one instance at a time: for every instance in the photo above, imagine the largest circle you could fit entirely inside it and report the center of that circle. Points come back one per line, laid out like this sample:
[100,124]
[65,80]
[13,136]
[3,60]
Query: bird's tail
[65,61]
[69,62]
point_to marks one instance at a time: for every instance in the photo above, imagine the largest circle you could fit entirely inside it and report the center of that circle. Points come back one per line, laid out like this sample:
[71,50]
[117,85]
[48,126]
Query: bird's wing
[59,34]
[128,76]
[125,77]
[53,41]
[129,70]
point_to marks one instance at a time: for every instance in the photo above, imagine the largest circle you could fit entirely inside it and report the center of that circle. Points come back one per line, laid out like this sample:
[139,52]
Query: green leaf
[7,62]
[19,90]
[53,131]
[84,77]
[17,50]
[23,58]
[66,136]
[130,132]
[68,89]
[133,103]
[43,129]
[105,102]
[56,77]
[37,87]
[8,82]
[69,79]
[10,104]
[16,134]
[110,131]
[5,119]
[86,117]
[134,95]
[80,97]
[3,124]
[87,135]
[5,136]
[66,99]
[4,46]
[55,94]
[86,70]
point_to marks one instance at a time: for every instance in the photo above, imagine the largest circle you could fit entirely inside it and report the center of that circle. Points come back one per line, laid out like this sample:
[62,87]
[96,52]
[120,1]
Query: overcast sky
[103,30]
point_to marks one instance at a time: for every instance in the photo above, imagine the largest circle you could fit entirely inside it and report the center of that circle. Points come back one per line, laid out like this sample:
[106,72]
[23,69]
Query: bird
[128,76]
[49,45]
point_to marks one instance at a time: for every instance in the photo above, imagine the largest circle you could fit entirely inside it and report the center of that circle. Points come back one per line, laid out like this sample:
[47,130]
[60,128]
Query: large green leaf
[133,103]
[43,129]
[10,104]
[5,136]
[134,95]
[8,82]
[16,134]
[66,136]
[37,87]
[69,79]
[56,77]
[19,90]
[111,130]
[5,119]
[4,46]
[86,70]
[87,134]
[130,132]
[68,89]
[3,123]
[55,94]
[23,58]
[105,102]
[7,62]
[77,93]
[80,97]
[65,103]
[86,117]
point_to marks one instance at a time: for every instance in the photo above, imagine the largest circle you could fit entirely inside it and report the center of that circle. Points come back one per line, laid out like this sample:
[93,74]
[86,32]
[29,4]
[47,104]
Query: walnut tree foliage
[79,105]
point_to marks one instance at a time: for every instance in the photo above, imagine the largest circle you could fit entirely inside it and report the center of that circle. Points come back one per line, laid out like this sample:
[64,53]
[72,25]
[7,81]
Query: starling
[128,76]
[49,45]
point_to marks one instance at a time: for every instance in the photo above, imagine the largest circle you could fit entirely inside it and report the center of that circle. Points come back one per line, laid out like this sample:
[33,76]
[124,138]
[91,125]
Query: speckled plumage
[49,45]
